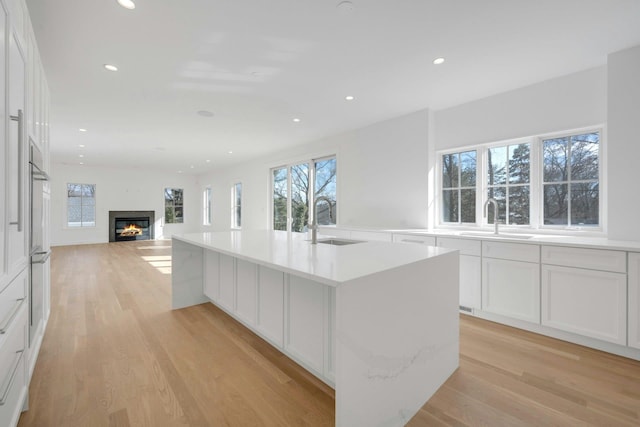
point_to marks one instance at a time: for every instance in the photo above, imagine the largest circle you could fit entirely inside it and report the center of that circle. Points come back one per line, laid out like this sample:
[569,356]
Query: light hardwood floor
[115,354]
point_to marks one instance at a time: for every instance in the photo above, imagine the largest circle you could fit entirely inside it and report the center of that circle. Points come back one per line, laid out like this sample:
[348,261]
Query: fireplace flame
[131,230]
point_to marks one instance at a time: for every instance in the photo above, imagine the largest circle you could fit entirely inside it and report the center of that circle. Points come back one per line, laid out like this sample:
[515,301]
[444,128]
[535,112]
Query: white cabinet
[511,280]
[586,302]
[593,259]
[307,326]
[413,238]
[212,275]
[270,321]
[227,279]
[634,300]
[246,291]
[16,159]
[470,270]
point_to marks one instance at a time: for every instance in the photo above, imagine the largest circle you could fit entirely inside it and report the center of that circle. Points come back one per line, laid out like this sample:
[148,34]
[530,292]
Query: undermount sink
[339,242]
[498,236]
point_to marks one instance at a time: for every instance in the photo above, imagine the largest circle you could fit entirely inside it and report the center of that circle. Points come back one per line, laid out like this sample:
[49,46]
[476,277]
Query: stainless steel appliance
[39,255]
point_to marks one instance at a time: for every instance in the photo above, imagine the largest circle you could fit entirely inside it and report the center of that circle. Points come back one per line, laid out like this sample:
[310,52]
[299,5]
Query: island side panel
[397,341]
[186,275]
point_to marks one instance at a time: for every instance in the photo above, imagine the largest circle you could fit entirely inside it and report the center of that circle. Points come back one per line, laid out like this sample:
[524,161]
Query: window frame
[207,206]
[311,162]
[164,211]
[236,209]
[66,207]
[536,185]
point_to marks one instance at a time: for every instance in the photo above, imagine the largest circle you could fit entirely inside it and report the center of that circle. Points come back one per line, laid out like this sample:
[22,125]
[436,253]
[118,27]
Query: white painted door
[634,300]
[270,320]
[227,282]
[586,302]
[246,291]
[511,288]
[470,281]
[306,322]
[17,160]
[212,275]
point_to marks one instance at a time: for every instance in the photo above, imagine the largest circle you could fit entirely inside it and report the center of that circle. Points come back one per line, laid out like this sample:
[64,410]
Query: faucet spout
[314,225]
[495,212]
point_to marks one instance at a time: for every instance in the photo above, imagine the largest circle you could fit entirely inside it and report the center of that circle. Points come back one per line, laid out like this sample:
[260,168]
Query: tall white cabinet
[24,120]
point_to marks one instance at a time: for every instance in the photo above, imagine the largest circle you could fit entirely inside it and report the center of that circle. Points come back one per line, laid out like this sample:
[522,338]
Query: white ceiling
[257,64]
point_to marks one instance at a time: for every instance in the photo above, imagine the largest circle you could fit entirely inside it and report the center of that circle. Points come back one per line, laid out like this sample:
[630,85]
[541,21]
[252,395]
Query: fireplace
[131,225]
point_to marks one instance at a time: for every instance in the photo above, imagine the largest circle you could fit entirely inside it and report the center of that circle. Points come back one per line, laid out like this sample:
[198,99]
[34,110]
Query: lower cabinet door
[307,322]
[212,275]
[634,300]
[271,305]
[586,302]
[470,281]
[511,288]
[227,282]
[246,291]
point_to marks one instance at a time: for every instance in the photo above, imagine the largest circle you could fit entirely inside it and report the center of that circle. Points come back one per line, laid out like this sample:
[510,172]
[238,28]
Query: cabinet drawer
[13,342]
[11,298]
[371,236]
[511,251]
[410,238]
[593,259]
[465,246]
[15,387]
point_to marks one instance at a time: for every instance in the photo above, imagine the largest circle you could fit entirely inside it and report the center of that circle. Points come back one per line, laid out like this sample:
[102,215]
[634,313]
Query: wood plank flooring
[115,354]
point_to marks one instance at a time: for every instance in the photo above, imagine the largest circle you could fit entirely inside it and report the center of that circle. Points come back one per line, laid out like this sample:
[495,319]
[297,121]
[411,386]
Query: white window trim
[65,215]
[235,226]
[311,161]
[536,193]
[207,206]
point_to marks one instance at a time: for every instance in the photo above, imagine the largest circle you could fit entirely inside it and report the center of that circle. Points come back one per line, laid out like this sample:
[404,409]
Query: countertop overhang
[294,253]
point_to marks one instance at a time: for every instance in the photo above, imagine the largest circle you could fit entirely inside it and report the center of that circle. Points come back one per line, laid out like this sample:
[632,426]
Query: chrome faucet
[314,225]
[495,211]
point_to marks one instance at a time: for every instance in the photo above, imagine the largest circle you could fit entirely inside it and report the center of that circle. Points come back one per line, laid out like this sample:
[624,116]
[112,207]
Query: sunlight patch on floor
[162,263]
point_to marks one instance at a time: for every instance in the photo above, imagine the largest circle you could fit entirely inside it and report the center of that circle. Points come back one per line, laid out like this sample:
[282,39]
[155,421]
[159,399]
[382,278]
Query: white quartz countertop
[293,253]
[513,237]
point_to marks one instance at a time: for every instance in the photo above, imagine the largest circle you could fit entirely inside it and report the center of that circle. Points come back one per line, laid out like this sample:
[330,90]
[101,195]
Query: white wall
[382,177]
[624,144]
[570,102]
[118,189]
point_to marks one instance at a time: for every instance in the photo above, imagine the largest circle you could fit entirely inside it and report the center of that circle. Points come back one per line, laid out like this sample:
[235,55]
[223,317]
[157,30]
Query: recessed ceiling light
[81,145]
[230,152]
[192,167]
[81,155]
[208,161]
[110,67]
[82,163]
[82,130]
[205,113]
[127,4]
[438,61]
[179,171]
[349,97]
[297,120]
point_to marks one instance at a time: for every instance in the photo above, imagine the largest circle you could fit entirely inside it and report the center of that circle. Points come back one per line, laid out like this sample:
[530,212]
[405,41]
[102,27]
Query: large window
[173,205]
[459,187]
[236,205]
[508,182]
[550,182]
[206,206]
[81,205]
[295,188]
[571,194]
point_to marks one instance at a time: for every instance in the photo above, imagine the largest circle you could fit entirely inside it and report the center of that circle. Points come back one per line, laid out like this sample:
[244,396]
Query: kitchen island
[377,321]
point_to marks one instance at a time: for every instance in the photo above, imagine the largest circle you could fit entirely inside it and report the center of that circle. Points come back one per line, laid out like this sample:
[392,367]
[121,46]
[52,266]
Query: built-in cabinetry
[293,313]
[584,291]
[634,300]
[511,280]
[470,267]
[24,123]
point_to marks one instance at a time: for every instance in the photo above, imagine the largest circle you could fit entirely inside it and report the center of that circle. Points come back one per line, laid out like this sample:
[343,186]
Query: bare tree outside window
[508,175]
[459,187]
